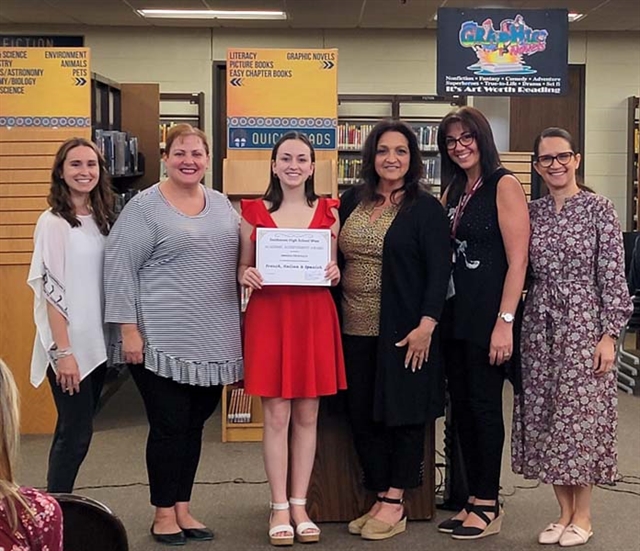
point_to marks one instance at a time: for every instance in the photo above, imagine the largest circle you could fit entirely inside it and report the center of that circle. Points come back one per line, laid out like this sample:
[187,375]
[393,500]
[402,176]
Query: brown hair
[182,131]
[370,177]
[555,132]
[101,197]
[9,438]
[274,190]
[477,124]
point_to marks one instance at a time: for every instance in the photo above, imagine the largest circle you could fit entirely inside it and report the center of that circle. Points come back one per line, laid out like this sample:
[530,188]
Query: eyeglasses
[545,161]
[464,140]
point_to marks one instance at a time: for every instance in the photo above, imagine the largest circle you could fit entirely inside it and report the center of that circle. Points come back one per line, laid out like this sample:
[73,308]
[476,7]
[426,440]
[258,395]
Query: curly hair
[477,124]
[370,178]
[274,190]
[101,197]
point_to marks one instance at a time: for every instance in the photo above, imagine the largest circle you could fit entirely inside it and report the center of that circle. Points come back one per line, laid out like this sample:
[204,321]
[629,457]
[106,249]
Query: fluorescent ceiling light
[571,16]
[212,14]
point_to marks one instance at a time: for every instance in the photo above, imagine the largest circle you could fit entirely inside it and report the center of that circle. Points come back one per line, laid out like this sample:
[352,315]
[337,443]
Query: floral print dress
[41,531]
[565,419]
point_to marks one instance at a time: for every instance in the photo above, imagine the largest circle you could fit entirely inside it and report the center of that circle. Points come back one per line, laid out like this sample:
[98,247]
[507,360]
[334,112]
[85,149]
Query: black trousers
[74,429]
[177,414]
[389,456]
[475,389]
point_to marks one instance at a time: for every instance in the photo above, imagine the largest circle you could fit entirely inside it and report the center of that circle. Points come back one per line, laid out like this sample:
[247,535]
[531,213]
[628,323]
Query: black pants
[74,429]
[389,456]
[176,413]
[475,389]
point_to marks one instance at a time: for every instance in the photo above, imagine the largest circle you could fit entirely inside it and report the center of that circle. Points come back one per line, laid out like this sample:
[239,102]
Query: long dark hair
[453,177]
[274,190]
[101,197]
[370,178]
[555,132]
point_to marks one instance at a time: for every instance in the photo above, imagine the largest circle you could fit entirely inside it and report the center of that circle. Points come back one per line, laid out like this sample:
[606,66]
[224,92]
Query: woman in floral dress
[565,420]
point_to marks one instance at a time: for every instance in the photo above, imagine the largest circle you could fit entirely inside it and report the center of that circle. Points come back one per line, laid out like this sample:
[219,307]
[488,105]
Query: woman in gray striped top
[170,285]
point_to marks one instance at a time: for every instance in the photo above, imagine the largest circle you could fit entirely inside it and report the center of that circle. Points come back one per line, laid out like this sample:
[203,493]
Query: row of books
[239,407]
[351,136]
[349,170]
[120,151]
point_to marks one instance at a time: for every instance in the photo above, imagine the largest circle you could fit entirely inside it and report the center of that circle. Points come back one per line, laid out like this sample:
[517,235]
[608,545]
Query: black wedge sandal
[492,525]
[449,525]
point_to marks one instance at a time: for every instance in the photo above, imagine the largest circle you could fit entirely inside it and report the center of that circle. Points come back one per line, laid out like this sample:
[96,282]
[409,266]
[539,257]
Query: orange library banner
[45,87]
[273,91]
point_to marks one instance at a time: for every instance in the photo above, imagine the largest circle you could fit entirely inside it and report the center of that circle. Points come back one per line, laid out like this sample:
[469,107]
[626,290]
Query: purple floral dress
[40,531]
[565,420]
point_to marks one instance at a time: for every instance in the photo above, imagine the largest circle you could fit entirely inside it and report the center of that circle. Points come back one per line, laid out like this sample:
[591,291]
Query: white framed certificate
[293,257]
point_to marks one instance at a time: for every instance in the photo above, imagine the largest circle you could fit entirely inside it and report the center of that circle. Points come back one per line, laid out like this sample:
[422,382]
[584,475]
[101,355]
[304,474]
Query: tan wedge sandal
[286,529]
[303,534]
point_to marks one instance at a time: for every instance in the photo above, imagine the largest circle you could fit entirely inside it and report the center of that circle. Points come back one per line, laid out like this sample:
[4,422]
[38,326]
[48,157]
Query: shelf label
[502,52]
[45,87]
[273,91]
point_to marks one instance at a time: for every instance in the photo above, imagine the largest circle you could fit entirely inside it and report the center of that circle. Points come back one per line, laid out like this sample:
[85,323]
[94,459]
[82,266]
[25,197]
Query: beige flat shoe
[551,534]
[356,525]
[574,535]
[375,529]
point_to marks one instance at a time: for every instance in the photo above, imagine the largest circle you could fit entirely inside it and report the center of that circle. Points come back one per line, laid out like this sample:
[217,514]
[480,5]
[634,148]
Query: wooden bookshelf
[241,432]
[520,164]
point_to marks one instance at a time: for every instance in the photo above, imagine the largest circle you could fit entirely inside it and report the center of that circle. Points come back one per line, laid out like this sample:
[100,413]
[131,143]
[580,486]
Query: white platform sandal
[286,529]
[303,534]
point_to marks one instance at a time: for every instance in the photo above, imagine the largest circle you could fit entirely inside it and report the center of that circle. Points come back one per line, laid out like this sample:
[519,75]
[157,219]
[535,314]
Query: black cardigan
[416,259]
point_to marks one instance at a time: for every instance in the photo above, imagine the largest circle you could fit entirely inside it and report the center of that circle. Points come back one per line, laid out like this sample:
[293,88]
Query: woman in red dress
[292,346]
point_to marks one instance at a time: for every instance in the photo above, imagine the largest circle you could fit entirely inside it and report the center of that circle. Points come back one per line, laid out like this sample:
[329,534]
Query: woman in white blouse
[66,277]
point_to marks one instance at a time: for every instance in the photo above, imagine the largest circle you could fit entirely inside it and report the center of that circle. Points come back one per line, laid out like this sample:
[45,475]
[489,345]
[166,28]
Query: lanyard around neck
[462,204]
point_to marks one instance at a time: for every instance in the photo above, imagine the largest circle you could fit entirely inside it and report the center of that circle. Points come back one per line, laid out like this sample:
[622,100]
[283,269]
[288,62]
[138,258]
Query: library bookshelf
[234,430]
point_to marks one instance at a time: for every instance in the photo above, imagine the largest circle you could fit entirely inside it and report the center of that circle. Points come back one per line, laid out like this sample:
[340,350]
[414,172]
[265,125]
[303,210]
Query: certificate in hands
[293,256]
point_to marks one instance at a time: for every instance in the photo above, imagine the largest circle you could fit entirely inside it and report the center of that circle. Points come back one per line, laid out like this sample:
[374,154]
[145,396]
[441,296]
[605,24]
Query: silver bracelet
[59,353]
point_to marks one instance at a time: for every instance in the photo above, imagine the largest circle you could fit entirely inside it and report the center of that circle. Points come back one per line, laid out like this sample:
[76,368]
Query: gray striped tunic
[175,277]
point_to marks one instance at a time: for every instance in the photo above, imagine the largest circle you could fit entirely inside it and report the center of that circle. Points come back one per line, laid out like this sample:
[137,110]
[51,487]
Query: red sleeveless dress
[292,343]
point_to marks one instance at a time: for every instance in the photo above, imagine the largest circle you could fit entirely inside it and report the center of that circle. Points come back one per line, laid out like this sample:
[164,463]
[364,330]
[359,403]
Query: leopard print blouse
[361,243]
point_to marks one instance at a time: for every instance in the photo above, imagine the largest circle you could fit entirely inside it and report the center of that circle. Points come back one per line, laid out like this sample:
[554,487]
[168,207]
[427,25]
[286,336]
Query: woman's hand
[501,347]
[251,278]
[68,374]
[605,355]
[418,342]
[332,273]
[132,344]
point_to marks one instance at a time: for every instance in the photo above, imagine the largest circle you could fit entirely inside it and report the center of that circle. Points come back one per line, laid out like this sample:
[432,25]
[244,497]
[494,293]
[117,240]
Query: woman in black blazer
[395,256]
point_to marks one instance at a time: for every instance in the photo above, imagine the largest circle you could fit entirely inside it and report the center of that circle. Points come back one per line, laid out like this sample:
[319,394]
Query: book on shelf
[120,151]
[239,408]
[352,135]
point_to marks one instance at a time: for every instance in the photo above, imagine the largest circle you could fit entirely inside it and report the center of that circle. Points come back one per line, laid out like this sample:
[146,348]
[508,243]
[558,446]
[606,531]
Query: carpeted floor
[231,495]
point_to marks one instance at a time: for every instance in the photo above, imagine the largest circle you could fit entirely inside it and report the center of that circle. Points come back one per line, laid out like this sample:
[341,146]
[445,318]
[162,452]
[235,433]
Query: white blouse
[67,271]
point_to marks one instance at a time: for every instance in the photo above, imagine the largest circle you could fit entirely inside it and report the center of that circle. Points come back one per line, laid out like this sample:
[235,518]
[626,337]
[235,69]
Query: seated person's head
[9,426]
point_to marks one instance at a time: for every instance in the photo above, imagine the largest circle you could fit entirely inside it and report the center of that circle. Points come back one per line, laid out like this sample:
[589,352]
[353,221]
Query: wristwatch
[507,317]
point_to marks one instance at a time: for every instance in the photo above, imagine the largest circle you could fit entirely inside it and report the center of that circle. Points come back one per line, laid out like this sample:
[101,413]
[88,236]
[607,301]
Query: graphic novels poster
[45,88]
[273,91]
[502,52]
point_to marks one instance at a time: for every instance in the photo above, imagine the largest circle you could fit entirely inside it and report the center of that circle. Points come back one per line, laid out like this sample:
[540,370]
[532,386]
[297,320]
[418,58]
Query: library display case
[633,167]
